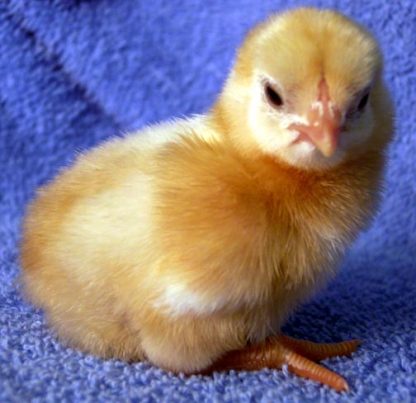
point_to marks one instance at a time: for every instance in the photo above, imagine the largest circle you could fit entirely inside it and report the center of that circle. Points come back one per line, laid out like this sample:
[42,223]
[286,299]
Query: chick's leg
[282,350]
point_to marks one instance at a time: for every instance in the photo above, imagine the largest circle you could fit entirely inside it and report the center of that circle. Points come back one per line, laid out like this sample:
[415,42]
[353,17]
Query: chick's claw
[298,355]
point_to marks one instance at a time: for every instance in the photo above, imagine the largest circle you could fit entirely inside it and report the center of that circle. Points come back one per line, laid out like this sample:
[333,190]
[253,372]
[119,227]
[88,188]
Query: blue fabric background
[73,73]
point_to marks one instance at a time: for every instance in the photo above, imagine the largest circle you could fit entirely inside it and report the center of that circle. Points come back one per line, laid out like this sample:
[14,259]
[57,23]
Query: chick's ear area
[74,73]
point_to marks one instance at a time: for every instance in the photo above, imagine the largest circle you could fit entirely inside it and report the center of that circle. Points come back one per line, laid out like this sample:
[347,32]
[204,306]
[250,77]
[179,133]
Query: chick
[188,244]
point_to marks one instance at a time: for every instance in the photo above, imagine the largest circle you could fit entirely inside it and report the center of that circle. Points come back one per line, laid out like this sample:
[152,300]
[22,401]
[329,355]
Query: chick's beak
[324,123]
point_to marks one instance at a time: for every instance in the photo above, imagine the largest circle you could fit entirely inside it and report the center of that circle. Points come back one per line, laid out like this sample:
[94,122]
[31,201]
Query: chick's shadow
[365,303]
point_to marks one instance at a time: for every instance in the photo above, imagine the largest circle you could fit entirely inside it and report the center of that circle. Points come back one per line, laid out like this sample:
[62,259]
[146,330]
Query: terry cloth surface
[73,73]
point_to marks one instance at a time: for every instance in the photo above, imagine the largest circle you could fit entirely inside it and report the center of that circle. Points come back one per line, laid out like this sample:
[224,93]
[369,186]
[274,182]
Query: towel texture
[74,72]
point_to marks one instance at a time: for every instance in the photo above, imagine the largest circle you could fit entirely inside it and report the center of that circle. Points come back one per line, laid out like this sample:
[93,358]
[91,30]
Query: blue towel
[74,72]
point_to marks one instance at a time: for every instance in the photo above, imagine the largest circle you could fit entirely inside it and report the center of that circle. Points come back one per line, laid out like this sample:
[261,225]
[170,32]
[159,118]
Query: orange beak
[324,120]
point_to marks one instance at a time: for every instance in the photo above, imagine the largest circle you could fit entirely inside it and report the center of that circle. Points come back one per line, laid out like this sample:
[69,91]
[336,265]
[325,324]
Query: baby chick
[189,243]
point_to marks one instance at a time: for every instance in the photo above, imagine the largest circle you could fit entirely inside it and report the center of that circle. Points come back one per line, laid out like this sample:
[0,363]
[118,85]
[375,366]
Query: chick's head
[307,86]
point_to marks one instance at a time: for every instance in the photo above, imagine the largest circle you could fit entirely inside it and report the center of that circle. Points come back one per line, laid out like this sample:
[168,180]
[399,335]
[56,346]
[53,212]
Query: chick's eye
[273,96]
[363,102]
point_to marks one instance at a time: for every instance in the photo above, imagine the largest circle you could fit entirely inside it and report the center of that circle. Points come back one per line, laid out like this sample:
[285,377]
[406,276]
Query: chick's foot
[298,355]
[318,351]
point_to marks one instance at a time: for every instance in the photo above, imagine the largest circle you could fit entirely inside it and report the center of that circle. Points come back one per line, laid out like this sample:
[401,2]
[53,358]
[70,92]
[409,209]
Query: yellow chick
[189,243]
